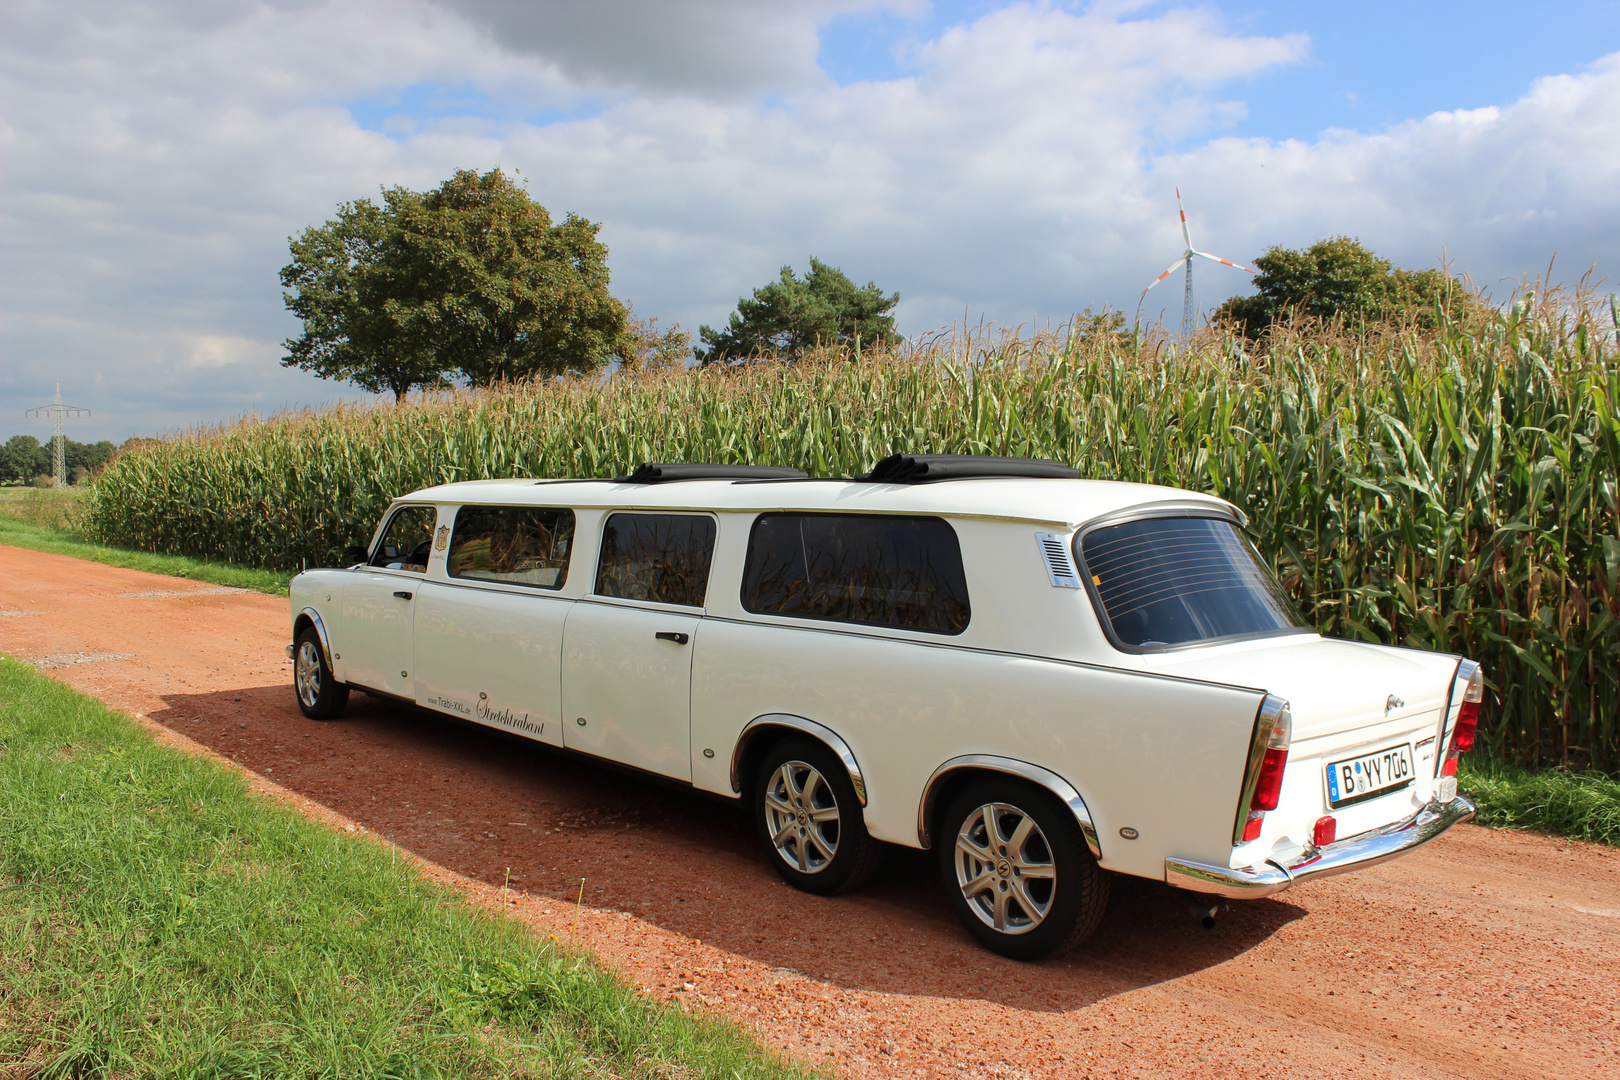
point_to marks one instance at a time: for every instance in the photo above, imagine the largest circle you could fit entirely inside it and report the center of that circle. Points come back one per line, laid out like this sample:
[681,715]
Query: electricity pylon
[57,411]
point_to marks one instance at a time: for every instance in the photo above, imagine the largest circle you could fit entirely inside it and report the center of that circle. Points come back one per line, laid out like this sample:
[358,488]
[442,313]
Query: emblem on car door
[442,538]
[1392,703]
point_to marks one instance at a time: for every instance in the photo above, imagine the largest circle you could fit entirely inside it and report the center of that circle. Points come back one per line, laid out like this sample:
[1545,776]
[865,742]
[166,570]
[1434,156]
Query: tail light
[1268,757]
[1467,726]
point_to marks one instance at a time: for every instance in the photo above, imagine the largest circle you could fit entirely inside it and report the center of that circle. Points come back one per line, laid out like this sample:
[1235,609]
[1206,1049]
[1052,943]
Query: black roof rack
[652,472]
[926,468]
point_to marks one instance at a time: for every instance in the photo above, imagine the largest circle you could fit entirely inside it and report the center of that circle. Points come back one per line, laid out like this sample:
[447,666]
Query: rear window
[662,558]
[1174,581]
[899,572]
[515,545]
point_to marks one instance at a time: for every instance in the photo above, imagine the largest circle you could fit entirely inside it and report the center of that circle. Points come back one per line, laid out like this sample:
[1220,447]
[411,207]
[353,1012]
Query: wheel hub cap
[801,815]
[1005,868]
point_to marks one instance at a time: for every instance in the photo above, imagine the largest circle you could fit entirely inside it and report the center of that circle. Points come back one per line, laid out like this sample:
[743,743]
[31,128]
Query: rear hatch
[1370,713]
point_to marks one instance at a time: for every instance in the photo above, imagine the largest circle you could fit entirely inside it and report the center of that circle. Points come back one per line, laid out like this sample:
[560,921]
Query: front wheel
[807,812]
[1017,870]
[320,696]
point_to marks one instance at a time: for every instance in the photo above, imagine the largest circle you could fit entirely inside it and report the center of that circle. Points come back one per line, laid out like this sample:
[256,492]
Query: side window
[898,572]
[659,557]
[407,540]
[519,545]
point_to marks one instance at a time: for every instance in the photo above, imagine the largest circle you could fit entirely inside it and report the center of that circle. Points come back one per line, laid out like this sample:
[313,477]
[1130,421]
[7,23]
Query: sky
[992,162]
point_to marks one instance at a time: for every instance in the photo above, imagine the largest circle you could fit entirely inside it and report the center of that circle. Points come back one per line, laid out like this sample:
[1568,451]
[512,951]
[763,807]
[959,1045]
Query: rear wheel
[1017,870]
[320,696]
[807,812]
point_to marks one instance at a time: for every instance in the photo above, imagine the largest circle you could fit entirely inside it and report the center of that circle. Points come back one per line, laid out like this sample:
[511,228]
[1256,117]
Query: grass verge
[158,919]
[1558,802]
[18,533]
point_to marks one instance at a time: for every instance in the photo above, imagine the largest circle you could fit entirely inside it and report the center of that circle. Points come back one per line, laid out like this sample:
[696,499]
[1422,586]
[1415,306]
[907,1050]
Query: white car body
[1150,749]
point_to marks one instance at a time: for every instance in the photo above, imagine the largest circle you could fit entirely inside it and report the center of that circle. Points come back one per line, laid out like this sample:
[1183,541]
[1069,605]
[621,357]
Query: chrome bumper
[1355,853]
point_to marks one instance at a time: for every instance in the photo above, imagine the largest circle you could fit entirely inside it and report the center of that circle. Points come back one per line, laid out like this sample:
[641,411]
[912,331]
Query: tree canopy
[23,457]
[1338,278]
[791,315]
[469,280]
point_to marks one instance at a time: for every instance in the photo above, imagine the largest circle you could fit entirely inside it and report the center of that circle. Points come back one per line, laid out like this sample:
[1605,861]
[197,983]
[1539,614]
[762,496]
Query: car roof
[1042,501]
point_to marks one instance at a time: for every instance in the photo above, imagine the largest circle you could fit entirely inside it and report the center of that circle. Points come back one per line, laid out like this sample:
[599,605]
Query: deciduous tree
[1338,278]
[470,279]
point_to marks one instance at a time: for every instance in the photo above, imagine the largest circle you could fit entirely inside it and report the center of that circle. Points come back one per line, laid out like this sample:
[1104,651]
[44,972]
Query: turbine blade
[1185,234]
[1224,262]
[1166,274]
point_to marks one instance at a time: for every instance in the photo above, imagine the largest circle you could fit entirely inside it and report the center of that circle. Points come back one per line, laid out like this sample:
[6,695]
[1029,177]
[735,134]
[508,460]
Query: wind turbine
[1189,313]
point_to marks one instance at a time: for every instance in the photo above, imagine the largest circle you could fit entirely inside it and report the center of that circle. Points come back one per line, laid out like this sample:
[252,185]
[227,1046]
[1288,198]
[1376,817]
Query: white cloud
[156,158]
[706,47]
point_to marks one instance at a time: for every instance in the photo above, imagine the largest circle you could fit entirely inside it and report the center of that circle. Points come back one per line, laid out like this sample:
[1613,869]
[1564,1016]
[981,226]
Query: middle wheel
[811,821]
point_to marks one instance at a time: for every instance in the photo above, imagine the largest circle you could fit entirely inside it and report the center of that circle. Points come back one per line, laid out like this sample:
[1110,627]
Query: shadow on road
[499,809]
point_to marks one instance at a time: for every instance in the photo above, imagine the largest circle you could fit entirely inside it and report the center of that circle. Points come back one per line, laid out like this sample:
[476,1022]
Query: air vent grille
[1059,561]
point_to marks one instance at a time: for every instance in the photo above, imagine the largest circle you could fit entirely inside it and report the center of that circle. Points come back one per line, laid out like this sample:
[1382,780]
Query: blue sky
[988,160]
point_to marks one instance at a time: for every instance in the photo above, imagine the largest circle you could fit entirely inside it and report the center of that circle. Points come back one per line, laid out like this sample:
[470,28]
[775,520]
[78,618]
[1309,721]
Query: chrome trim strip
[1035,774]
[1354,853]
[320,632]
[1265,720]
[834,742]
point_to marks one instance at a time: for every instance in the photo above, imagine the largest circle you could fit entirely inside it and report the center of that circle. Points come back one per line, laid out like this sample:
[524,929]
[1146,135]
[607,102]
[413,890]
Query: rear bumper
[1355,853]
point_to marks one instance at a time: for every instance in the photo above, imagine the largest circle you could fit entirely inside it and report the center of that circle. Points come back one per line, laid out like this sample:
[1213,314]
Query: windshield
[1174,581]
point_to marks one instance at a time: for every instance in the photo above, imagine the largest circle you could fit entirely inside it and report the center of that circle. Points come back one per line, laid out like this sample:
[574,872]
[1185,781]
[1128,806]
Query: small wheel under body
[810,819]
[1017,869]
[320,696]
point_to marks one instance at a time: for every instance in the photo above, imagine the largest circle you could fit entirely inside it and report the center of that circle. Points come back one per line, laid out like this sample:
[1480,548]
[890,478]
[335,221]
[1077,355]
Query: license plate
[1363,777]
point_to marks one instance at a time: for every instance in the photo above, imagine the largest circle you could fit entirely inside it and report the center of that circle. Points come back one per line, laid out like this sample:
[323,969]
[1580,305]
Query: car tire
[320,696]
[811,822]
[1036,891]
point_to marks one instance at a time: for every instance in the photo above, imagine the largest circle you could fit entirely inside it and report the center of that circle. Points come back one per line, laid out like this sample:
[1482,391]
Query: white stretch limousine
[1041,677]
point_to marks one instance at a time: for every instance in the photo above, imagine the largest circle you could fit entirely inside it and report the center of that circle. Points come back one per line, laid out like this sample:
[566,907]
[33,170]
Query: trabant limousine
[1046,679]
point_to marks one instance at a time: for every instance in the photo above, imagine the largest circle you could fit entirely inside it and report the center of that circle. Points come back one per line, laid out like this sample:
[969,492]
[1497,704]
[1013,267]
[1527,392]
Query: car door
[489,636]
[378,605]
[627,648]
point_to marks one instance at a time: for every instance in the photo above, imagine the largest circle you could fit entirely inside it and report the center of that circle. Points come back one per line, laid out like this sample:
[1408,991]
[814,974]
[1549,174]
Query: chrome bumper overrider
[1355,853]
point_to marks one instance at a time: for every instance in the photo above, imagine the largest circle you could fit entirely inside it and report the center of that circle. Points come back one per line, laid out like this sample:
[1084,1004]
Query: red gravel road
[1485,954]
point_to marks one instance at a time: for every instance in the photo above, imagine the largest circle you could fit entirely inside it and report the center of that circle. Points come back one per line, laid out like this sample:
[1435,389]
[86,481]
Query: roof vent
[1059,561]
[650,472]
[925,468]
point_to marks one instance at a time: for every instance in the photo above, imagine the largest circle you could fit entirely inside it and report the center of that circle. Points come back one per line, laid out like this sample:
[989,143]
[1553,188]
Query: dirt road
[1485,954]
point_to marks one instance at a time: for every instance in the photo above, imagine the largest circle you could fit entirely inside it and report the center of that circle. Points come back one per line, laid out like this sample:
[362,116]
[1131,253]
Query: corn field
[1456,491]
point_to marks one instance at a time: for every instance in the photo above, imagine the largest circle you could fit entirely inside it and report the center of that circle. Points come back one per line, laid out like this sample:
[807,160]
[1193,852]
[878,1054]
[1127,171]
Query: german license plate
[1377,773]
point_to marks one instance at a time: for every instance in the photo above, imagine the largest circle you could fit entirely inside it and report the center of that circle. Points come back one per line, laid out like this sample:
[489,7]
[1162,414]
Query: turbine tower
[1189,311]
[56,411]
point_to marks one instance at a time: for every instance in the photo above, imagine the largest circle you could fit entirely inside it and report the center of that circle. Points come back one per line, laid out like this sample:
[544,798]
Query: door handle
[670,635]
[402,594]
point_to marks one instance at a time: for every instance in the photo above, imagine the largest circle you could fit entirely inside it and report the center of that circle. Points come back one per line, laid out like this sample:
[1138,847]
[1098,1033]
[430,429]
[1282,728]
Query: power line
[57,411]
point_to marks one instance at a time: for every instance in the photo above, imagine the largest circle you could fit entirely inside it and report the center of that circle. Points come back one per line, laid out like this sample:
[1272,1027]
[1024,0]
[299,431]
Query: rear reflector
[1325,832]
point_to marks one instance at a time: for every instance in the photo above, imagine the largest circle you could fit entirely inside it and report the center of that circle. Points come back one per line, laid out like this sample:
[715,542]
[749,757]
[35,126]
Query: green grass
[44,506]
[1558,802]
[158,919]
[54,541]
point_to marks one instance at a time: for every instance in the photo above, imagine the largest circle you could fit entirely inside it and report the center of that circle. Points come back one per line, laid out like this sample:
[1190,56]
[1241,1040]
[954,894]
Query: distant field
[1453,491]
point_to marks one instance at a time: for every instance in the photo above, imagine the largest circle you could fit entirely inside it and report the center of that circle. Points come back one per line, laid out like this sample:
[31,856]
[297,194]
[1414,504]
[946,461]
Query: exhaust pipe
[1204,909]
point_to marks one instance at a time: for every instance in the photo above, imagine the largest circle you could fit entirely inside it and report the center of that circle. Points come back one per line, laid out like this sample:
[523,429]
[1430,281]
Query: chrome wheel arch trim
[320,631]
[1035,774]
[834,742]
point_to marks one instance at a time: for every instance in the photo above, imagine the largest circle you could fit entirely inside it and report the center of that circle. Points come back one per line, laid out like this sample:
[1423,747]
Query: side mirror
[355,554]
